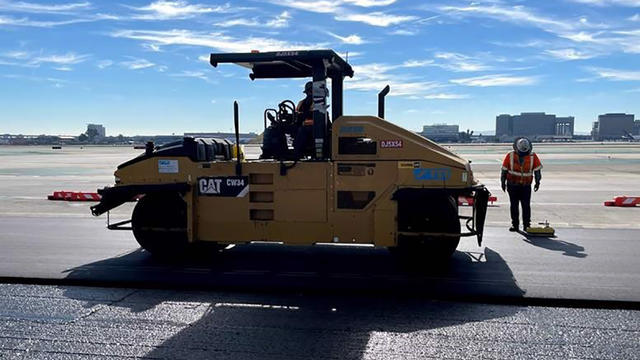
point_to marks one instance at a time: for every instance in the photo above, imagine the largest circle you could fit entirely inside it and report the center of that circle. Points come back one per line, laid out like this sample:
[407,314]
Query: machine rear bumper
[474,224]
[480,204]
[112,197]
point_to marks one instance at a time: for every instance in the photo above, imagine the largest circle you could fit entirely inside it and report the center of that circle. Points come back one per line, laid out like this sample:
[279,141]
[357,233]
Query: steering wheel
[287,113]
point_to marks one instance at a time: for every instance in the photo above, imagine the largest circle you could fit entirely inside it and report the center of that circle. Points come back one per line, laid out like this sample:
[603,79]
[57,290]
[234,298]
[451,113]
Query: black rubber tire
[439,215]
[159,223]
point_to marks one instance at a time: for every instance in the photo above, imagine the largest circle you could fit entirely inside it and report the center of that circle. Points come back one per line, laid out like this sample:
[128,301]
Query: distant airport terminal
[538,126]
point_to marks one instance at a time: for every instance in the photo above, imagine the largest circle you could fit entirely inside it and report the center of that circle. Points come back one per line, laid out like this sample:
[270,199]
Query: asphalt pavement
[580,264]
[70,322]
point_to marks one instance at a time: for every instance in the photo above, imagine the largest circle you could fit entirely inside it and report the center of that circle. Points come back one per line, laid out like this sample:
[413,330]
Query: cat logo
[210,186]
[230,186]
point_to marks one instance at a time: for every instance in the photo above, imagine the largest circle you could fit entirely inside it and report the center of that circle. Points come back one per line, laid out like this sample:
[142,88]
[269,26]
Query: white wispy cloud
[179,9]
[27,7]
[615,74]
[17,54]
[330,6]
[404,32]
[27,22]
[63,68]
[76,19]
[635,17]
[450,61]
[344,10]
[279,21]
[607,41]
[417,63]
[569,54]
[69,58]
[58,83]
[215,40]
[321,6]
[151,47]
[137,64]
[445,96]
[460,63]
[350,39]
[192,74]
[25,58]
[238,22]
[591,39]
[628,3]
[376,18]
[370,3]
[103,64]
[374,77]
[514,14]
[496,80]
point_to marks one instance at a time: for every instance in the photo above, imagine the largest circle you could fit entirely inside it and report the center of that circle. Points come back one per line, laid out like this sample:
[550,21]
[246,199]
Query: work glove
[536,186]
[504,186]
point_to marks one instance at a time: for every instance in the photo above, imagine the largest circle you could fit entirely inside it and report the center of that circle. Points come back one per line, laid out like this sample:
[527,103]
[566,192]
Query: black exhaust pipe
[237,126]
[381,96]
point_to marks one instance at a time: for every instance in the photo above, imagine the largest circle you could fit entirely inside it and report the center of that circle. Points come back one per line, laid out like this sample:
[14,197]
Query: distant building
[535,125]
[636,127]
[100,130]
[441,132]
[612,126]
[244,137]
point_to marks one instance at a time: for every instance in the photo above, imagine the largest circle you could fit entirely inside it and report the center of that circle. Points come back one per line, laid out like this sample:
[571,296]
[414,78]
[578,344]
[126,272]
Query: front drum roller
[159,223]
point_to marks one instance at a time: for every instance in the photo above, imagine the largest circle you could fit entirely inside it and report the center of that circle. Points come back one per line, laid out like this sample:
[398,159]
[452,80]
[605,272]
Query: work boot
[513,228]
[526,227]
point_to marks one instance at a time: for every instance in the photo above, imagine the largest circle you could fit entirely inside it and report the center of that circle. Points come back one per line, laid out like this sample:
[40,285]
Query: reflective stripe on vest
[520,173]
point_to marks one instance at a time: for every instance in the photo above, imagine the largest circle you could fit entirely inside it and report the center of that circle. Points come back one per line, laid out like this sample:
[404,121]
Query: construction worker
[305,106]
[519,169]
[305,112]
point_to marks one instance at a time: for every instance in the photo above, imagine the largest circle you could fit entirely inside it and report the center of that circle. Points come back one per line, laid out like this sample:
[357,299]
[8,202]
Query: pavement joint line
[379,293]
[96,308]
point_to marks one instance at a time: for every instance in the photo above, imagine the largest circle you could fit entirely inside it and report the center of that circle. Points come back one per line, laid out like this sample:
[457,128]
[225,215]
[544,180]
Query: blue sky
[140,67]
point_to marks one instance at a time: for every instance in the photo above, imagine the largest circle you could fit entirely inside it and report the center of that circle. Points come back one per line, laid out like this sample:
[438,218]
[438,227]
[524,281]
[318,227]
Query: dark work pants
[520,194]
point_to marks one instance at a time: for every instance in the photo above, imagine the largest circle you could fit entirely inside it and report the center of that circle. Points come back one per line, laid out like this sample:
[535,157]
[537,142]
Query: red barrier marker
[624,201]
[468,200]
[627,201]
[74,196]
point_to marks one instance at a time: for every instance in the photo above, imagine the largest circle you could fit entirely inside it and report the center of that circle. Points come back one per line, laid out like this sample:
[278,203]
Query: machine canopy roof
[287,64]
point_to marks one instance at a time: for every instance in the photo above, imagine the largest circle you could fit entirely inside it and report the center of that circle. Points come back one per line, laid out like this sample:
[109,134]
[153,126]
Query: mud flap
[480,202]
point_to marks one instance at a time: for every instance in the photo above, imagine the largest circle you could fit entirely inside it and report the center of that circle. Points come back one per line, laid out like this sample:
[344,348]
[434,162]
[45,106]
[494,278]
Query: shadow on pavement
[312,302]
[311,269]
[567,248]
[325,328]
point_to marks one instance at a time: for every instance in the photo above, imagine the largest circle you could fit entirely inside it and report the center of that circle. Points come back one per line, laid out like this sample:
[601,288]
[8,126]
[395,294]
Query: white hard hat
[523,145]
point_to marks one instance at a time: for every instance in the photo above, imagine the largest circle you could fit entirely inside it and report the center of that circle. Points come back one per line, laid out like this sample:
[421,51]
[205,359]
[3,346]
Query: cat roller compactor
[353,180]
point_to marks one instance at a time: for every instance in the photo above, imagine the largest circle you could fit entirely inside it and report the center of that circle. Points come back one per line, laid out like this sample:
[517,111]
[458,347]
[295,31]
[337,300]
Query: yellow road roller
[346,179]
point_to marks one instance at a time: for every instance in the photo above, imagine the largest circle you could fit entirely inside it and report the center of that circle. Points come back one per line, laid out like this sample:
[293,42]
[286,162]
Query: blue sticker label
[437,174]
[351,129]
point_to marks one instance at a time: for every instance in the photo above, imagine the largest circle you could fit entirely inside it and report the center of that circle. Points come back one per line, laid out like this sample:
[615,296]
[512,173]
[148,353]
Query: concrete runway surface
[579,264]
[272,302]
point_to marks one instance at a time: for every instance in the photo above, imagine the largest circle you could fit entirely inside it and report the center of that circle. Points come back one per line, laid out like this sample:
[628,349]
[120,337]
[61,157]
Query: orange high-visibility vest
[521,174]
[299,108]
